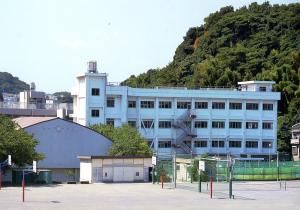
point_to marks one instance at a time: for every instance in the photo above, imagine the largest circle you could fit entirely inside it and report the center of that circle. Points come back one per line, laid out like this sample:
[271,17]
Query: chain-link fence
[215,178]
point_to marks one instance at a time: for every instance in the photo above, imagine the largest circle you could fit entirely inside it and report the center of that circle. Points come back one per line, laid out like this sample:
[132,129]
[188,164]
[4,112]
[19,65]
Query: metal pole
[211,186]
[230,178]
[277,166]
[199,180]
[0,176]
[174,169]
[23,187]
[269,155]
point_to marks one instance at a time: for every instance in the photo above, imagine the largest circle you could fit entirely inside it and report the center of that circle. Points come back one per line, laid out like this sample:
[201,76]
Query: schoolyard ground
[248,195]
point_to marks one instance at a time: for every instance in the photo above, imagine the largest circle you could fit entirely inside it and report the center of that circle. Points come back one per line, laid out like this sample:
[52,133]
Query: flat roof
[111,157]
[256,82]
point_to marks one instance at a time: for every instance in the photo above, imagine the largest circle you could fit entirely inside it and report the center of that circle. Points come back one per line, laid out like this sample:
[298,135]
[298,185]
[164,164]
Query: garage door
[127,174]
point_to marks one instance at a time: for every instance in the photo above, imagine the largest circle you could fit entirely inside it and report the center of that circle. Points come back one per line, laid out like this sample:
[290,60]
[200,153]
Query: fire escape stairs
[187,135]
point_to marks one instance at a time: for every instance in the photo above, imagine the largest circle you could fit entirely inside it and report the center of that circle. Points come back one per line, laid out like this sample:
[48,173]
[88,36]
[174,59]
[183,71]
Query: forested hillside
[11,84]
[257,42]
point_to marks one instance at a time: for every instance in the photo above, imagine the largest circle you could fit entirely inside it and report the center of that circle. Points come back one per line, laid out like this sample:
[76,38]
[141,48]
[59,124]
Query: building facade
[61,141]
[216,121]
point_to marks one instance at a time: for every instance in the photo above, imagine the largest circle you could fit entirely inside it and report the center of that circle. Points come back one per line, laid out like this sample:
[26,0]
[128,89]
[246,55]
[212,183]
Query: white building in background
[208,120]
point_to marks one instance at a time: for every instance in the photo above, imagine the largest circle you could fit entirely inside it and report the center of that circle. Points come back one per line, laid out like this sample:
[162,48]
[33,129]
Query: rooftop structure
[241,121]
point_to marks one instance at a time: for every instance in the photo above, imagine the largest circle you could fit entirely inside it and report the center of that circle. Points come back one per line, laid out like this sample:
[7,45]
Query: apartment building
[217,121]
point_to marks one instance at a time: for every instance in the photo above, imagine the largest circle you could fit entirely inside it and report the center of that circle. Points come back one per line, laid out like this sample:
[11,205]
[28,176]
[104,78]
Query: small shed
[95,169]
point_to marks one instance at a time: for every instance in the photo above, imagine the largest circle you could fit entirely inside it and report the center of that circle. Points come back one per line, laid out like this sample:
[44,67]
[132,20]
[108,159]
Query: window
[95,112]
[268,107]
[137,173]
[110,102]
[251,144]
[262,89]
[147,104]
[131,104]
[266,144]
[147,124]
[235,144]
[183,105]
[200,143]
[164,124]
[267,125]
[95,91]
[217,143]
[252,106]
[294,150]
[235,124]
[201,105]
[252,125]
[218,105]
[200,124]
[132,123]
[235,105]
[165,104]
[164,144]
[110,121]
[218,124]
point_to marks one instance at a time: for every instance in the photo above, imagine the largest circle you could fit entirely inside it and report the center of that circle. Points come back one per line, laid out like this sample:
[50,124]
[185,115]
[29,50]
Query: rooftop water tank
[92,66]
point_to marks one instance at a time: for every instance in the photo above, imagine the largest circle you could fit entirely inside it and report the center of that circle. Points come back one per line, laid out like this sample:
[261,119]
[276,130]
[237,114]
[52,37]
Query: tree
[17,143]
[127,141]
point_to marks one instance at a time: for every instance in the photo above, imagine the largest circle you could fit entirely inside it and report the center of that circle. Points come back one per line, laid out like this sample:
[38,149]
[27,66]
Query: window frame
[165,104]
[200,143]
[164,124]
[218,123]
[165,144]
[218,105]
[232,144]
[233,106]
[147,105]
[94,111]
[183,105]
[235,123]
[110,121]
[110,102]
[252,106]
[249,144]
[148,125]
[215,143]
[200,105]
[268,107]
[95,92]
[252,123]
[131,104]
[199,124]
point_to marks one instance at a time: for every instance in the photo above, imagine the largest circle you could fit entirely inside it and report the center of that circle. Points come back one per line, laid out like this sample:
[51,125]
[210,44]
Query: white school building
[217,121]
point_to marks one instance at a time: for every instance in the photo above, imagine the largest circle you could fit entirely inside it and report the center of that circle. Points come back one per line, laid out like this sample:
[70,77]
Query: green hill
[11,84]
[257,42]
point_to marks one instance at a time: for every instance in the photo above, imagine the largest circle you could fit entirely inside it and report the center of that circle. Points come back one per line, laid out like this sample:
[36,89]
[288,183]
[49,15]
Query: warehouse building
[241,121]
[61,141]
[94,169]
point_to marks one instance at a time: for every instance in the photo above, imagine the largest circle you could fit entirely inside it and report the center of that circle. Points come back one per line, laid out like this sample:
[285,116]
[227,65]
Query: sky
[50,41]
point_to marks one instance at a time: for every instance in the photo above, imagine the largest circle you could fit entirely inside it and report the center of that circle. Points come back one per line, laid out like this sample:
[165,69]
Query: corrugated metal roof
[24,122]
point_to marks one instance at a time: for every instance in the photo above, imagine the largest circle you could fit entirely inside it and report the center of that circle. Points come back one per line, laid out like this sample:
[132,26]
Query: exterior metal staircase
[184,123]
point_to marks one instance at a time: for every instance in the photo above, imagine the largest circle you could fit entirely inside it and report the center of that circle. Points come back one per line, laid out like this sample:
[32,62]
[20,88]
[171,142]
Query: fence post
[199,180]
[211,186]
